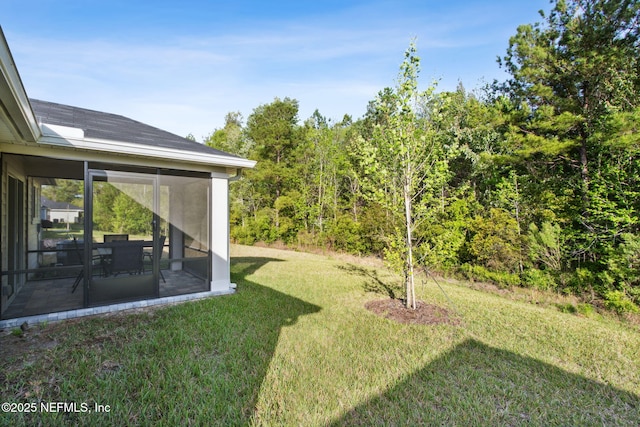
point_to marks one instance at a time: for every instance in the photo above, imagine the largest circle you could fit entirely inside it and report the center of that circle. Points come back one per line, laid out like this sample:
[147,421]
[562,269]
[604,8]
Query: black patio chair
[108,238]
[126,257]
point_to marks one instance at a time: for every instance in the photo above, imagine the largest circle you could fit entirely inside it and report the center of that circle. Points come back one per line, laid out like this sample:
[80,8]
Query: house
[60,212]
[155,207]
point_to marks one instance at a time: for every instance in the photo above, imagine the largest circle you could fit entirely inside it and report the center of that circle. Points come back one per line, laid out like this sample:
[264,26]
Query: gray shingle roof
[59,205]
[96,124]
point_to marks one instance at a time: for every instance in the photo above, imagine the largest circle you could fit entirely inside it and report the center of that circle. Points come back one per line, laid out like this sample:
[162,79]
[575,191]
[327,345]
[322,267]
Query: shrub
[442,250]
[444,235]
[623,264]
[242,235]
[256,229]
[585,309]
[634,294]
[538,279]
[545,245]
[286,230]
[346,235]
[582,280]
[480,273]
[496,243]
[566,307]
[308,239]
[619,302]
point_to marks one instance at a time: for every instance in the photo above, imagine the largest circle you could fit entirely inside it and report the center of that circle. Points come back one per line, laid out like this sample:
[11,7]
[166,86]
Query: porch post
[220,260]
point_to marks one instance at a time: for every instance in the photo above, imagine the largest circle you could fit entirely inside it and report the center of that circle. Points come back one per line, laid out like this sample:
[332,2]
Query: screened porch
[137,233]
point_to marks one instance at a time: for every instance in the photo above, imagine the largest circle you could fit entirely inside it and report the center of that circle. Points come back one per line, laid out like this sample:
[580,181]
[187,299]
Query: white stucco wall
[64,216]
[220,260]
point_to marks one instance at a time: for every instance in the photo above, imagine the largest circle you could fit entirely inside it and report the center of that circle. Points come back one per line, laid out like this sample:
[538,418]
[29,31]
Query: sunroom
[151,210]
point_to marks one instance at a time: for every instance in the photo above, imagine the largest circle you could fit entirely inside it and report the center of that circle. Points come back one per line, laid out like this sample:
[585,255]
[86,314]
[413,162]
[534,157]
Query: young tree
[405,154]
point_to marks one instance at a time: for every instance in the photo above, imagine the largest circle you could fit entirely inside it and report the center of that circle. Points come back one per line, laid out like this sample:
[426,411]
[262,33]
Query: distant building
[60,212]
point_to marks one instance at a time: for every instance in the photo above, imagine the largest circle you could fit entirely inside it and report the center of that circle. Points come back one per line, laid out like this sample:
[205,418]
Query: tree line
[533,181]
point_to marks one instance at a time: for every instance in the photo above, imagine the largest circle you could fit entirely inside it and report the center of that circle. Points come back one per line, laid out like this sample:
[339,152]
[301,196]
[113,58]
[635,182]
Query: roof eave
[14,98]
[152,152]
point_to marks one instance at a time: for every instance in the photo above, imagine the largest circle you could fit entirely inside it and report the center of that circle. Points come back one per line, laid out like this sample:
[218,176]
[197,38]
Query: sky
[183,65]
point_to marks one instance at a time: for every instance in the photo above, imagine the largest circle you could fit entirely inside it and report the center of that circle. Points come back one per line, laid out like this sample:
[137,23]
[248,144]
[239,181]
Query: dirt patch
[25,344]
[25,347]
[424,314]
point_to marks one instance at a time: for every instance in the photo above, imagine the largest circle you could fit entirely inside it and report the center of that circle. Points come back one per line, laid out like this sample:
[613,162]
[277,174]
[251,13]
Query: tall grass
[295,346]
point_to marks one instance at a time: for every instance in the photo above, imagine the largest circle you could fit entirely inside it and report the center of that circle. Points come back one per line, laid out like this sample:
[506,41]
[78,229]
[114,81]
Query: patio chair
[115,237]
[149,254]
[126,257]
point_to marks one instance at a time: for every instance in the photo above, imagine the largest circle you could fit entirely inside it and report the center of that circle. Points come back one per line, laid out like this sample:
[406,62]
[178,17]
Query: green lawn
[295,346]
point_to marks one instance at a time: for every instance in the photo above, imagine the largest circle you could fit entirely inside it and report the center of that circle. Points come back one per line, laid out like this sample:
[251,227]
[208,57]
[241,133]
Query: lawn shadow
[262,314]
[201,363]
[475,384]
[245,266]
[373,282]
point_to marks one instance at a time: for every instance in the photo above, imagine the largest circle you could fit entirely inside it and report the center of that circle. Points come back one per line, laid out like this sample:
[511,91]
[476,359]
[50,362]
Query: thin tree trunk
[410,291]
[516,205]
[584,170]
[584,162]
[321,197]
[354,191]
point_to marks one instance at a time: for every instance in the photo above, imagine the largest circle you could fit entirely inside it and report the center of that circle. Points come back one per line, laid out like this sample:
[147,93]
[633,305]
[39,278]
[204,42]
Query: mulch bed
[424,314]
